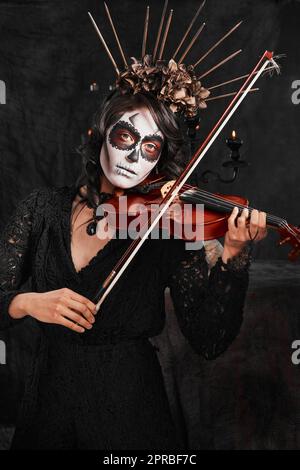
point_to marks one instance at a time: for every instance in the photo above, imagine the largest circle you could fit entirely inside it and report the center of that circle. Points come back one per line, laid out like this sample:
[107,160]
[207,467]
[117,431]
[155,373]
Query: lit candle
[234,140]
[234,143]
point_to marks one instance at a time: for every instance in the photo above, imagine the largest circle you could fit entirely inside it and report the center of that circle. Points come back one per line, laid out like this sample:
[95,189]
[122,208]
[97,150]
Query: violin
[208,224]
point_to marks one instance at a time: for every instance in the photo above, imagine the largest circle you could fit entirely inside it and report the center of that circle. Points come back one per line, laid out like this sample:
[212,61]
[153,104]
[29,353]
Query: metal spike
[145,35]
[231,56]
[229,94]
[160,29]
[188,30]
[217,44]
[235,80]
[116,34]
[104,43]
[191,43]
[165,35]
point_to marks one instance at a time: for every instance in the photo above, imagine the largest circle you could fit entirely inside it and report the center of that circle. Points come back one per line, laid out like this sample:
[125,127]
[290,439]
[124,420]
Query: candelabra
[235,163]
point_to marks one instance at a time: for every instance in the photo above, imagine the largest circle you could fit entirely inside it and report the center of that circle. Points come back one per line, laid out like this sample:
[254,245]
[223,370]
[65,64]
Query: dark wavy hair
[175,152]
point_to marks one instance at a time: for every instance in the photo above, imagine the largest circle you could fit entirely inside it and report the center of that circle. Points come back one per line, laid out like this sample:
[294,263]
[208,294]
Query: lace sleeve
[15,244]
[209,299]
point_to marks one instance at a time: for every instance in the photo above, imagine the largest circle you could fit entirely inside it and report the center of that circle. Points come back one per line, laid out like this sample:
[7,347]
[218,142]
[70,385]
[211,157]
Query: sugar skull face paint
[131,149]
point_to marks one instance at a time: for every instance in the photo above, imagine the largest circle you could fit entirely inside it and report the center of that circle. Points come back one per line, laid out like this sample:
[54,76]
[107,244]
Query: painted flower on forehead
[175,84]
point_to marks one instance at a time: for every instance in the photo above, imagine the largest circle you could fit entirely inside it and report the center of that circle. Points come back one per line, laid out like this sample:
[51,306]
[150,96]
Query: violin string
[277,221]
[226,204]
[233,204]
[218,198]
[230,205]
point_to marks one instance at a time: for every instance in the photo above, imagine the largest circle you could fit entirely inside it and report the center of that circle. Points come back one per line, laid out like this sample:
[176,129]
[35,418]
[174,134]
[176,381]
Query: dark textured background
[49,54]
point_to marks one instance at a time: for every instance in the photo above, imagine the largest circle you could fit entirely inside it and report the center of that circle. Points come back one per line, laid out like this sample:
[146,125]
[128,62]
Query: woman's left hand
[241,231]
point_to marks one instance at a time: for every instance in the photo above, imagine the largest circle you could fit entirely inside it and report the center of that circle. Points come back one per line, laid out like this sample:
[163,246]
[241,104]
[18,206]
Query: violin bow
[266,59]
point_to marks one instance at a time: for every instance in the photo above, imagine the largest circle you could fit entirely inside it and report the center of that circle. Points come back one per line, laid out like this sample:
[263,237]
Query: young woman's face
[131,148]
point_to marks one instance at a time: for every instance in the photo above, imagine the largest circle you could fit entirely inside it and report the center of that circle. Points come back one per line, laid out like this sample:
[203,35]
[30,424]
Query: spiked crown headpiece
[173,82]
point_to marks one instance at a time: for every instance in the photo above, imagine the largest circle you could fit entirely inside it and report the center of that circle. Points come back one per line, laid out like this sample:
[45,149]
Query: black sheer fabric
[104,389]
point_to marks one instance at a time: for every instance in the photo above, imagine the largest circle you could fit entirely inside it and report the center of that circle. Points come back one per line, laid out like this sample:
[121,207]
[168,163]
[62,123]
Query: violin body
[186,218]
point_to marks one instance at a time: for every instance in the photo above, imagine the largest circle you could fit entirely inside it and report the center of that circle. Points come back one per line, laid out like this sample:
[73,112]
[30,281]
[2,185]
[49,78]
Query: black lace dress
[104,389]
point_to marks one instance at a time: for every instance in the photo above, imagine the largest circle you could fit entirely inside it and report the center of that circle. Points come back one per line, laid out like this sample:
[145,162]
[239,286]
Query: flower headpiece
[171,81]
[175,84]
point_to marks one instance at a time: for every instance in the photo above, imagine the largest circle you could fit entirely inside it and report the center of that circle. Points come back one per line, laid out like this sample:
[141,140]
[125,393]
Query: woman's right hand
[62,307]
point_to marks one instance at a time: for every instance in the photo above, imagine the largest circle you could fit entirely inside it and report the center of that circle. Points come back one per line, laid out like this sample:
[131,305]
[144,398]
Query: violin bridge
[166,188]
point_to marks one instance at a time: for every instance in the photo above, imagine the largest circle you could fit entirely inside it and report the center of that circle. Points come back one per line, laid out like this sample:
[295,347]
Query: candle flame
[233,135]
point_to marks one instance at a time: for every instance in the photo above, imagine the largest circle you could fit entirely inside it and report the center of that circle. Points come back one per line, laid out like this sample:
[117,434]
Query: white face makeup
[131,149]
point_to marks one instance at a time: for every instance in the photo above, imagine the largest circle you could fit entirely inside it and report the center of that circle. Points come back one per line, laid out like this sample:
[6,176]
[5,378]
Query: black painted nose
[133,156]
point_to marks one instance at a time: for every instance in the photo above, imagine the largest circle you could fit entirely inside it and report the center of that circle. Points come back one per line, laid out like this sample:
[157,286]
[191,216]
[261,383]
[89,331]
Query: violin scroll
[291,235]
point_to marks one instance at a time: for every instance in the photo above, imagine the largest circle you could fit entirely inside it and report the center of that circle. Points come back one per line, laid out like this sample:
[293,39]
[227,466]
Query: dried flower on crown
[176,85]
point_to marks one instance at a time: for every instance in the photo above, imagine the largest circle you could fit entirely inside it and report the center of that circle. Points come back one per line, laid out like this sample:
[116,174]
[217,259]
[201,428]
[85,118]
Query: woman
[96,382]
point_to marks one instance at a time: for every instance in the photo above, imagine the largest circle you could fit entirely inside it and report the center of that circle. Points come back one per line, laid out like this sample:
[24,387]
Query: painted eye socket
[151,150]
[122,139]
